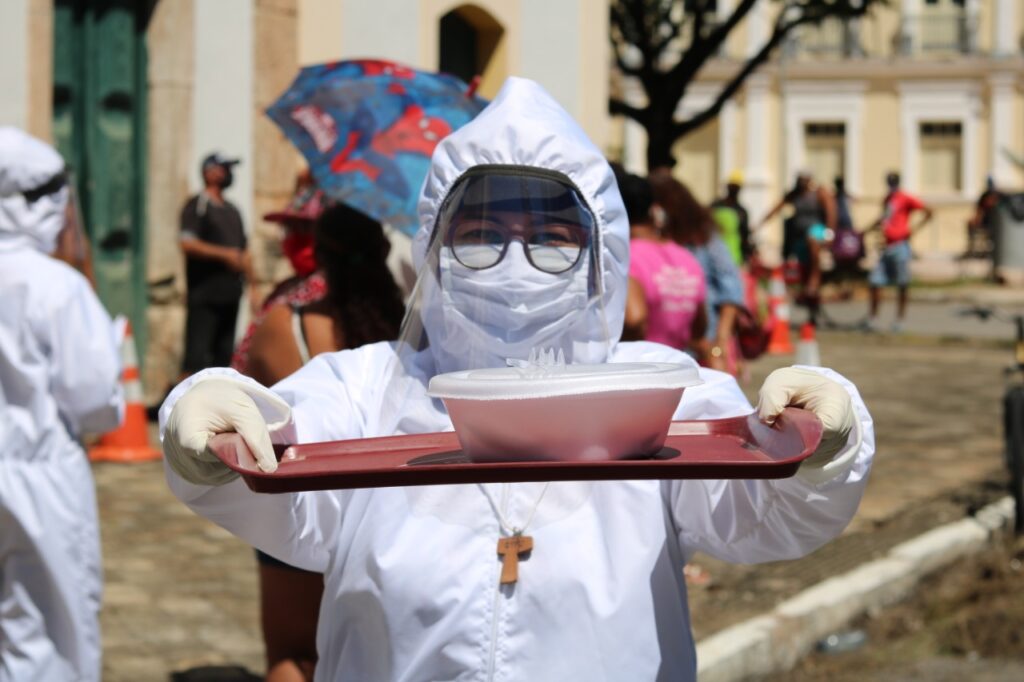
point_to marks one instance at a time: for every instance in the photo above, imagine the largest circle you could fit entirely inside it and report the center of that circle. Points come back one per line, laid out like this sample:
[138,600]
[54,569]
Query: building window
[944,26]
[832,38]
[941,157]
[825,150]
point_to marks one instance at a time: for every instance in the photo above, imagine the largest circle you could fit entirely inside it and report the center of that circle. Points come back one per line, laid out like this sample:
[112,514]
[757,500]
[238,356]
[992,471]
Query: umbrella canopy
[367,129]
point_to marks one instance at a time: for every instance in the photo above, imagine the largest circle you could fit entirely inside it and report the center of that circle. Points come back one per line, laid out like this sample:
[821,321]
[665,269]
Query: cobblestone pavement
[180,592]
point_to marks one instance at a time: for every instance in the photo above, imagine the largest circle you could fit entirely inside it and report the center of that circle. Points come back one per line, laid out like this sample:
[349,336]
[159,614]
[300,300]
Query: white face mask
[507,309]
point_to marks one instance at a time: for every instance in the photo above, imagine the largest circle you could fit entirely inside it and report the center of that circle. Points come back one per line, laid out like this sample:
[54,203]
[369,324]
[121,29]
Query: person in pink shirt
[665,302]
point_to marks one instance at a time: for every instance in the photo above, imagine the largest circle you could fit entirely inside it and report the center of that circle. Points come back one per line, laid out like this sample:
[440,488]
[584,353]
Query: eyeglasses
[551,246]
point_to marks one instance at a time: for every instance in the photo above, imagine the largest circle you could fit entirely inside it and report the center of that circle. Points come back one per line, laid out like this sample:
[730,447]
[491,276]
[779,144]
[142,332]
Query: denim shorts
[893,268]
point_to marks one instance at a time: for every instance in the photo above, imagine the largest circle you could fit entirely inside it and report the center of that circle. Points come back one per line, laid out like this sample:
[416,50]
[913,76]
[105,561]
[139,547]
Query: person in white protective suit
[59,378]
[523,243]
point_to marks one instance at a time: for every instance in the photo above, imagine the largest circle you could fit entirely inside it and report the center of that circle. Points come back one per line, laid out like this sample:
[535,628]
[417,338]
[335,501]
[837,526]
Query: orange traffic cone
[129,442]
[807,352]
[779,343]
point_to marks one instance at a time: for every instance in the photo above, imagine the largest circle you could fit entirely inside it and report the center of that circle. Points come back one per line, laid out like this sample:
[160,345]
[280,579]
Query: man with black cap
[216,263]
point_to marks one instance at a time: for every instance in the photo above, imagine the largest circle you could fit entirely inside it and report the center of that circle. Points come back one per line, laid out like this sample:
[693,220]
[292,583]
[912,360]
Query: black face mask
[229,178]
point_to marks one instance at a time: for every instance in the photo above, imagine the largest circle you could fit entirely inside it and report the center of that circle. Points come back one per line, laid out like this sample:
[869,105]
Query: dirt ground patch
[963,623]
[739,592]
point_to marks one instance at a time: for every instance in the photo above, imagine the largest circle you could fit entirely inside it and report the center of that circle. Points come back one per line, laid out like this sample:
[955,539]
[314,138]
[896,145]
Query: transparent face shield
[72,242]
[511,274]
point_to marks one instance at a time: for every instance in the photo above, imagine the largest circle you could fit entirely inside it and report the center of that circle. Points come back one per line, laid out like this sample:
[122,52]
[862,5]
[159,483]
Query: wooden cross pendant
[510,548]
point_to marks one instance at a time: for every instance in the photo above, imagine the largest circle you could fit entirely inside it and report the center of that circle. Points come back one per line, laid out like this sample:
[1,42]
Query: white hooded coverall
[59,378]
[412,575]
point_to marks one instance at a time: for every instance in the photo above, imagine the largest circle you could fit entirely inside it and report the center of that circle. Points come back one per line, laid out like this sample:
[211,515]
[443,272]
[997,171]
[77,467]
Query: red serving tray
[739,447]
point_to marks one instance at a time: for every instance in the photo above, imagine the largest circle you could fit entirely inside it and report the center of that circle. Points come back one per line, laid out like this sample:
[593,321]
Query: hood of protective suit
[26,164]
[525,127]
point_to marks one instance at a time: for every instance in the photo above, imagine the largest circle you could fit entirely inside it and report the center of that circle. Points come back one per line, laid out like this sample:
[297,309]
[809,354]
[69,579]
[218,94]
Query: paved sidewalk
[180,592]
[934,311]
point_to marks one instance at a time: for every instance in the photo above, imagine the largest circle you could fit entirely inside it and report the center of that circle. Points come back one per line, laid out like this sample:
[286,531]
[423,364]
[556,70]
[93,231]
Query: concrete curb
[992,295]
[775,641]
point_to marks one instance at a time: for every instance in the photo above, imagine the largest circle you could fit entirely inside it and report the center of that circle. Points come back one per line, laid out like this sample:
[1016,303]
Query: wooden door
[99,112]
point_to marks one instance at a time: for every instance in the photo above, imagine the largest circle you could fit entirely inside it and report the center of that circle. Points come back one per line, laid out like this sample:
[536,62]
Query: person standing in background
[813,219]
[982,225]
[734,226]
[842,200]
[665,299]
[690,224]
[733,220]
[847,244]
[216,265]
[343,296]
[60,377]
[893,268]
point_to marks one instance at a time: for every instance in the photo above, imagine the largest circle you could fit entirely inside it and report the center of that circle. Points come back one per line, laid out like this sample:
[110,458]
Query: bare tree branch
[644,36]
[618,107]
[698,23]
[701,48]
[674,28]
[638,18]
[621,37]
[625,68]
[779,33]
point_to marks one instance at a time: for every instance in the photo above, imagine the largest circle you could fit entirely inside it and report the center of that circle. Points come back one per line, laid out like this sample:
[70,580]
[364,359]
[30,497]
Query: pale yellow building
[135,94]
[929,88]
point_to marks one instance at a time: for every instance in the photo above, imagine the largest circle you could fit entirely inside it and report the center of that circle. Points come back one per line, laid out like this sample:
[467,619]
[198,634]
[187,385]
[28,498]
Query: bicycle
[1013,409]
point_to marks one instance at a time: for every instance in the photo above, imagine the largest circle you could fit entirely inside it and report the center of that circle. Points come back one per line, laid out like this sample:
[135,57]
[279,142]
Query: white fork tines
[539,363]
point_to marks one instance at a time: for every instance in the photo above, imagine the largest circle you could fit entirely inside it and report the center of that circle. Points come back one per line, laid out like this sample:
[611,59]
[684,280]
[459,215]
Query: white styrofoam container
[567,412]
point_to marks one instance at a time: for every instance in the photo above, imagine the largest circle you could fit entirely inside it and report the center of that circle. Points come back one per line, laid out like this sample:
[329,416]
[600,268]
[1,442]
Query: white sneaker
[897,327]
[869,325]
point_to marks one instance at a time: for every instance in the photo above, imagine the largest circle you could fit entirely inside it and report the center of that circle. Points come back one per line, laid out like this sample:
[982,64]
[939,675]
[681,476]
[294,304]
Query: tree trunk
[661,114]
[659,146]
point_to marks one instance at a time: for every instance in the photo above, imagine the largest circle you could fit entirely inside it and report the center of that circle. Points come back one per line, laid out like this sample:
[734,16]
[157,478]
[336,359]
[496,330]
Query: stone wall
[275,160]
[40,69]
[170,41]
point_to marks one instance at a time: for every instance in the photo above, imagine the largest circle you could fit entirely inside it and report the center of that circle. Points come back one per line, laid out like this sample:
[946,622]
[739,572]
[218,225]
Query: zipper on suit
[496,607]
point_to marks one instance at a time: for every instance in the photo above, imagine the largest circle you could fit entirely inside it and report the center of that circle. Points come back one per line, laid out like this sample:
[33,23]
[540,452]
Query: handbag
[848,246]
[751,335]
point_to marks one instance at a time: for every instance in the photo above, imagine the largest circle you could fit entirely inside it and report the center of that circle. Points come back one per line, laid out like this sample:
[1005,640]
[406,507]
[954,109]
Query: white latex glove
[220,405]
[798,387]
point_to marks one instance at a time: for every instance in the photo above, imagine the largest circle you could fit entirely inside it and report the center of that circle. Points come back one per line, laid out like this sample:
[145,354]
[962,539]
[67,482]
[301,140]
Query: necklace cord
[498,511]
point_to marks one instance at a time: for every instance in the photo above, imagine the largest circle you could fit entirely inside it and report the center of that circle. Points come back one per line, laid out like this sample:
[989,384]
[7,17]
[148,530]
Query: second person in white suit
[59,378]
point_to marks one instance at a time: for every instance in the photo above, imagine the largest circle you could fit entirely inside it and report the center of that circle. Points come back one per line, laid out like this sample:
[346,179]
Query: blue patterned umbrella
[368,128]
